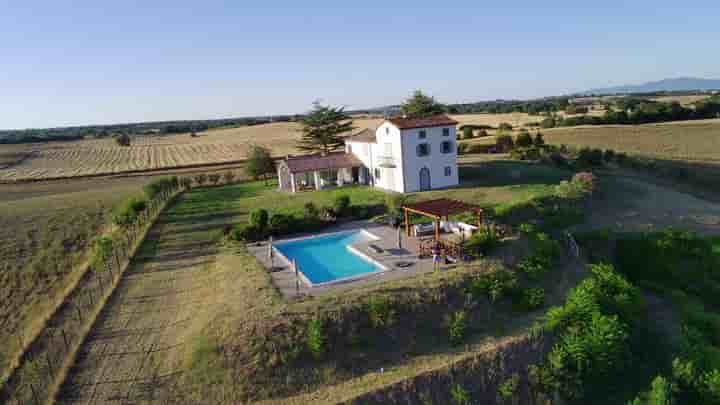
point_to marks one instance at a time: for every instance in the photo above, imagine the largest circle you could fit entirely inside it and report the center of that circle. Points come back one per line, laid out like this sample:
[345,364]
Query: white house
[402,154]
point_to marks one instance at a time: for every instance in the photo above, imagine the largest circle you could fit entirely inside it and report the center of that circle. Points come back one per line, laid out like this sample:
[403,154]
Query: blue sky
[94,62]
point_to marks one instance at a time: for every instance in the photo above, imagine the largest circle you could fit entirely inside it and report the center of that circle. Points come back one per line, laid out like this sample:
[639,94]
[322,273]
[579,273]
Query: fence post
[65,339]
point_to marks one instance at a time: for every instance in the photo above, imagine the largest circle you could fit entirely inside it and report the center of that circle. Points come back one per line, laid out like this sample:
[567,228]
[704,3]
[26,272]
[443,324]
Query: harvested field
[221,146]
[682,140]
[683,100]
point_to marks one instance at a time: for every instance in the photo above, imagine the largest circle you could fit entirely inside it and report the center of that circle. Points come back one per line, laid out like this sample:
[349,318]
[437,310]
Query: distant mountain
[677,84]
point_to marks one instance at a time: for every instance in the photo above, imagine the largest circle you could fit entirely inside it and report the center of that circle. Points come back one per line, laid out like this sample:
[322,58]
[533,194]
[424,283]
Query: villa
[403,155]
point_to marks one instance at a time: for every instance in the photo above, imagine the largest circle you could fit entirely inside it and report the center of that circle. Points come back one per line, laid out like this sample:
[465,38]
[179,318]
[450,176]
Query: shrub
[504,126]
[504,143]
[247,233]
[609,155]
[539,141]
[558,159]
[123,140]
[457,327]
[459,395]
[581,184]
[590,157]
[186,182]
[342,205]
[467,133]
[532,298]
[228,176]
[214,178]
[508,388]
[316,337]
[380,312]
[523,140]
[394,203]
[259,219]
[621,157]
[494,285]
[312,213]
[482,242]
[462,148]
[527,228]
[102,251]
[129,210]
[482,133]
[548,123]
[161,185]
[281,224]
[200,178]
[534,267]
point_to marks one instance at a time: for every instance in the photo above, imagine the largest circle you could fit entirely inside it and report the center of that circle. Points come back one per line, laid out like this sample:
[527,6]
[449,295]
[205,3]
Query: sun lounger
[377,249]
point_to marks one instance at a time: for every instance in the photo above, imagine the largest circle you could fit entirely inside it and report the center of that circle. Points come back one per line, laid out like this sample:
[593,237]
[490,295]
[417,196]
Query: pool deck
[284,278]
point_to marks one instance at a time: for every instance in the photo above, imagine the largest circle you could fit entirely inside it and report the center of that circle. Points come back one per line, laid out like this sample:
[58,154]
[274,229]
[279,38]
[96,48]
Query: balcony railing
[386,161]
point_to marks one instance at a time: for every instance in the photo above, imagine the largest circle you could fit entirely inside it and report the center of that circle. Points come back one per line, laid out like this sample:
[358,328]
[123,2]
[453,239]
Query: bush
[508,388]
[462,148]
[380,312]
[532,299]
[534,267]
[467,133]
[504,143]
[590,157]
[558,159]
[316,337]
[494,285]
[482,133]
[482,242]
[548,123]
[504,126]
[161,185]
[129,210]
[459,395]
[248,233]
[609,155]
[281,224]
[312,213]
[342,205]
[527,228]
[524,140]
[582,183]
[457,327]
[123,140]
[539,141]
[259,219]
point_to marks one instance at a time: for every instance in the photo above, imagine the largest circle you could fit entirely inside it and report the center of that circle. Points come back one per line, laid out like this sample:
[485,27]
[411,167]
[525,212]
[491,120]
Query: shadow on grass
[507,173]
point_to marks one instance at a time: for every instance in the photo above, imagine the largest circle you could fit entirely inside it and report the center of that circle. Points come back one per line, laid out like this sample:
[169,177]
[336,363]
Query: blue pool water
[327,258]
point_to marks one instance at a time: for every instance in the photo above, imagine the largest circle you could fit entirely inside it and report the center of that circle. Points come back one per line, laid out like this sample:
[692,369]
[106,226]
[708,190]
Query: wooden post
[437,229]
[407,222]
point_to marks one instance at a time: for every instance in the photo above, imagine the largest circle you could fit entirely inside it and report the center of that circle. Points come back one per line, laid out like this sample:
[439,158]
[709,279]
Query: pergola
[439,209]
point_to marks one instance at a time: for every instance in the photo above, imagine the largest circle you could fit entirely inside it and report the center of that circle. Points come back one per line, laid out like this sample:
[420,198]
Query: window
[422,134]
[448,170]
[423,149]
[446,131]
[377,174]
[446,147]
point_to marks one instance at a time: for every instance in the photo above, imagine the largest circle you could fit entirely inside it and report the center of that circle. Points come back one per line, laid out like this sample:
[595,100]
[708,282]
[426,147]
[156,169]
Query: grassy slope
[488,183]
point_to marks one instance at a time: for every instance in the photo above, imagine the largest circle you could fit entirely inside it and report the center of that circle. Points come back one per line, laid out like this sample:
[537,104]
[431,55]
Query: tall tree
[259,163]
[421,105]
[322,127]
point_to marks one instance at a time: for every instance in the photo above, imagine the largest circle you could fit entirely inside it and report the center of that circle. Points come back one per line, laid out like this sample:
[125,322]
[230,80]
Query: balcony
[386,161]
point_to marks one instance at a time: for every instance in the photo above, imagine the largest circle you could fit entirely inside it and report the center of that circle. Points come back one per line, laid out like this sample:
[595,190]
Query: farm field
[104,157]
[683,140]
[45,230]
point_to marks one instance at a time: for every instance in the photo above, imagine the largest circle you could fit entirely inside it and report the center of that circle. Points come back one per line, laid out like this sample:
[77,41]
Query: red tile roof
[333,160]
[440,120]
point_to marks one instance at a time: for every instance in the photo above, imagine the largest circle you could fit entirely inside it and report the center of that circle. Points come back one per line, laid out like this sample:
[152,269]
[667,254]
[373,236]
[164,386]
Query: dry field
[683,100]
[104,157]
[683,140]
[45,230]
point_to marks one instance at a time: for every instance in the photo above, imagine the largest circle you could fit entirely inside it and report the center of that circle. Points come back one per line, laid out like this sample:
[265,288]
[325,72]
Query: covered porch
[318,172]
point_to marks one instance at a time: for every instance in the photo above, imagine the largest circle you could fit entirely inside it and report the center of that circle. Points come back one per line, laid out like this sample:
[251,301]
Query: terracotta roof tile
[440,120]
[333,160]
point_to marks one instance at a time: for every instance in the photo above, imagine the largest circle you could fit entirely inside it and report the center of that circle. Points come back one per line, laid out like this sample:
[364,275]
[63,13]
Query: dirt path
[137,342]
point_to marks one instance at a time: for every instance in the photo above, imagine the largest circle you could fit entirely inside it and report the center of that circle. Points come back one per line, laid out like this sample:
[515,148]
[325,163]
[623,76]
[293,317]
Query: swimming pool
[329,258]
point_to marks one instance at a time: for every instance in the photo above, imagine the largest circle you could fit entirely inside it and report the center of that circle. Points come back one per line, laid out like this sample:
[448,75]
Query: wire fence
[48,354]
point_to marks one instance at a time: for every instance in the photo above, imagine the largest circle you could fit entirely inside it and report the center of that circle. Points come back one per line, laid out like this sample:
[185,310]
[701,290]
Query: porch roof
[441,207]
[333,160]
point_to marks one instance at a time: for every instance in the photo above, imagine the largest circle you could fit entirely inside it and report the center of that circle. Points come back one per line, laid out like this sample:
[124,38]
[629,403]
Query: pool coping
[383,268]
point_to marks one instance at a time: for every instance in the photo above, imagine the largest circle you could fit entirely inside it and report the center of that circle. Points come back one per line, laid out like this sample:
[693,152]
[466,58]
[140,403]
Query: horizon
[88,64]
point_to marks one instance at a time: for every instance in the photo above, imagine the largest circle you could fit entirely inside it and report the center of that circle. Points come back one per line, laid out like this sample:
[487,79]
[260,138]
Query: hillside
[676,84]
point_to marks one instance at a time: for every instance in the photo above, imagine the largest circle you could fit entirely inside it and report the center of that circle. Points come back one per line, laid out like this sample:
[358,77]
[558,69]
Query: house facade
[402,155]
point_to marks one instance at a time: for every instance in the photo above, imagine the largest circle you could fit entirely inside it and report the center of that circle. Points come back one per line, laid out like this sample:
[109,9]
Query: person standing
[436,256]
